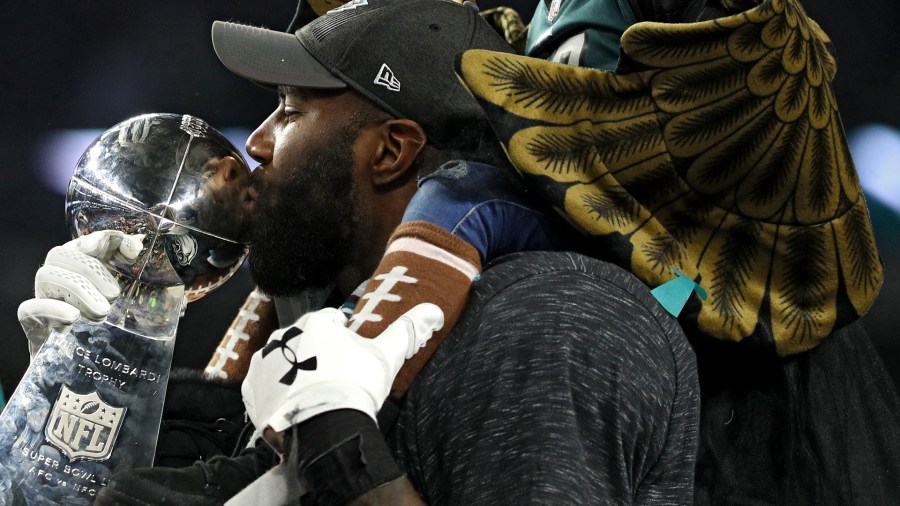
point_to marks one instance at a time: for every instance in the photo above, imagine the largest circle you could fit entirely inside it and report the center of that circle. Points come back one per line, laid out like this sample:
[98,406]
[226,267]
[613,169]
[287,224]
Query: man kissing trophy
[160,200]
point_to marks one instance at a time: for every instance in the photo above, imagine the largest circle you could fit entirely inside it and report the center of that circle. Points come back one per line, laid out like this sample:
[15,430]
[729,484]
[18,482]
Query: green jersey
[585,33]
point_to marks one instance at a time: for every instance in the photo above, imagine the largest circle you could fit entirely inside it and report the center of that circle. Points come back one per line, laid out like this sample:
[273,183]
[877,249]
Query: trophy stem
[148,310]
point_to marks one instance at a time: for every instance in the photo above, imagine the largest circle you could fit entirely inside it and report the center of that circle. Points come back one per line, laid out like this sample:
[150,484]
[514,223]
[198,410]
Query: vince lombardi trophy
[91,401]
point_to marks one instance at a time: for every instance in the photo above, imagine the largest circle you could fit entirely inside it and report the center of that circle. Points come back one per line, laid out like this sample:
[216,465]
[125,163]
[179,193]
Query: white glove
[319,365]
[75,282]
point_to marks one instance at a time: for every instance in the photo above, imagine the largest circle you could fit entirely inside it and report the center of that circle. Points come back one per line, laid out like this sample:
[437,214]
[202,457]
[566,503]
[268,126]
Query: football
[90,407]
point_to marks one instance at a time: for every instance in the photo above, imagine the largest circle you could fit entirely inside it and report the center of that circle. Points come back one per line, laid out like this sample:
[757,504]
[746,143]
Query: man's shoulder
[544,271]
[564,287]
[565,301]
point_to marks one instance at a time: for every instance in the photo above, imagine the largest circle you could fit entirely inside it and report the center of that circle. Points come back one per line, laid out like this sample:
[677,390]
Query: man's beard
[303,224]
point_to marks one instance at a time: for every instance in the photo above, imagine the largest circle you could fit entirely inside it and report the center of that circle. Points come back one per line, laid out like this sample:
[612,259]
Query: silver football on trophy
[175,179]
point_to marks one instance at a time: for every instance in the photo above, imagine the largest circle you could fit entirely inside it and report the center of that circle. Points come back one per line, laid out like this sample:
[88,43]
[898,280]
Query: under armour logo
[309,364]
[386,78]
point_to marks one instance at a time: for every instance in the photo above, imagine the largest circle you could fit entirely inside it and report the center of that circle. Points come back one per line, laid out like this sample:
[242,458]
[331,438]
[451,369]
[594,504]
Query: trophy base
[88,406]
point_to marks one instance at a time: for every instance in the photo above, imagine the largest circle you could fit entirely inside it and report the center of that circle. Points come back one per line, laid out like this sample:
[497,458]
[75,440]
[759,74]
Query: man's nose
[229,169]
[260,143]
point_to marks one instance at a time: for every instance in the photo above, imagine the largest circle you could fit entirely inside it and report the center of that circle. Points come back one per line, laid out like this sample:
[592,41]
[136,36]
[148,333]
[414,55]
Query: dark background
[66,65]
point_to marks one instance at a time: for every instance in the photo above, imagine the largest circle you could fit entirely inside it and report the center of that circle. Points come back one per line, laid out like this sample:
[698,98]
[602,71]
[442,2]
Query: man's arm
[399,492]
[320,385]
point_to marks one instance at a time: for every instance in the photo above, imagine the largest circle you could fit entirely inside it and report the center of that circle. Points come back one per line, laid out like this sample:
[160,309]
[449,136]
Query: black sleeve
[564,383]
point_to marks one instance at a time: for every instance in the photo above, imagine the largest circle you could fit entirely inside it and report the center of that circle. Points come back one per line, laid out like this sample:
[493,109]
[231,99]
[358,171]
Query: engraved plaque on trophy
[91,401]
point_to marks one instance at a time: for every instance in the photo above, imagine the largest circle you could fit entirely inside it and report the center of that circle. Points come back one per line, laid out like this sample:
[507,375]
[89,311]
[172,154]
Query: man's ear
[401,142]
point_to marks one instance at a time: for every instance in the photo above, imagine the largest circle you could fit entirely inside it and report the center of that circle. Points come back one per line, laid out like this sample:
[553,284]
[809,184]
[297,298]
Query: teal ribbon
[674,294]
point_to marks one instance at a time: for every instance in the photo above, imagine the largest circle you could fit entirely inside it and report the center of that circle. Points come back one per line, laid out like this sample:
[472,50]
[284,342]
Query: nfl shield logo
[83,427]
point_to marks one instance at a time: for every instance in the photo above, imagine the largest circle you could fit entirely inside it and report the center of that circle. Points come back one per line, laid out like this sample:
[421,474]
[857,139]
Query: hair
[475,142]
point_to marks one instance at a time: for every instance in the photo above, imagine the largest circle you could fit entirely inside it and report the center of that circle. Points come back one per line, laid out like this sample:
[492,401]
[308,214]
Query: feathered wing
[725,158]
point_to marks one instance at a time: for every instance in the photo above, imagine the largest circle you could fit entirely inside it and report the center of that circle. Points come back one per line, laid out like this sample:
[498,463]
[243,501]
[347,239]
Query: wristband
[339,456]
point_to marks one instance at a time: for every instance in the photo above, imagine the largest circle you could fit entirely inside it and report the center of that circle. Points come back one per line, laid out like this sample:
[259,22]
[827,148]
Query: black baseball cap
[398,53]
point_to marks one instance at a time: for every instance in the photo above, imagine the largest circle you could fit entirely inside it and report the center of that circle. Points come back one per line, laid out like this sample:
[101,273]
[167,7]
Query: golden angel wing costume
[723,156]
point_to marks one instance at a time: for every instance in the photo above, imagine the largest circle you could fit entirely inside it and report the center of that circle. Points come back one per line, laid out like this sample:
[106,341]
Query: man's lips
[250,199]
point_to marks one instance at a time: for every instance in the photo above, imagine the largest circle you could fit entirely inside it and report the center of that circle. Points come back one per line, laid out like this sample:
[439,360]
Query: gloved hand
[319,365]
[75,282]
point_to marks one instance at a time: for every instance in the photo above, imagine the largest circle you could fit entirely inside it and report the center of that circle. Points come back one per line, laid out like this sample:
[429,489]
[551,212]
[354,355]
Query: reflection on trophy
[91,402]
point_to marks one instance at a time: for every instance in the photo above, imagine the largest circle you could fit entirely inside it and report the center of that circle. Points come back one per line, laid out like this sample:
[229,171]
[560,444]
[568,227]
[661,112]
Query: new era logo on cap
[386,78]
